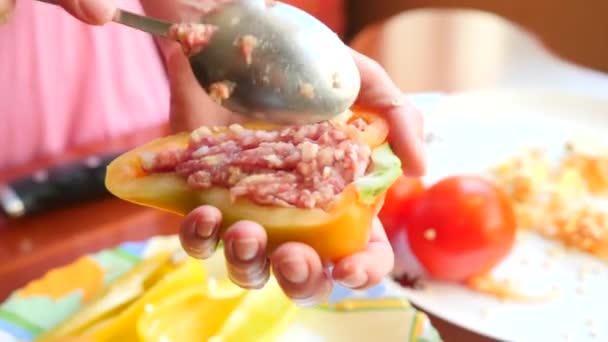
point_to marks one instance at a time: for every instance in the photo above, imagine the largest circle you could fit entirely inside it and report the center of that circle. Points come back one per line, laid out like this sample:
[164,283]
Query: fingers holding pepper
[245,245]
[298,268]
[301,273]
[368,267]
[94,12]
[199,233]
[245,252]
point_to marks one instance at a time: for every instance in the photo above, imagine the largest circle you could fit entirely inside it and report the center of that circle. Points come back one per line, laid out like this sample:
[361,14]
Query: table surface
[425,50]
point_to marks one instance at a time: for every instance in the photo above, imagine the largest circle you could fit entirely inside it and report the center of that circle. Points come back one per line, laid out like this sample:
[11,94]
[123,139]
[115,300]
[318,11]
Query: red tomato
[462,226]
[398,204]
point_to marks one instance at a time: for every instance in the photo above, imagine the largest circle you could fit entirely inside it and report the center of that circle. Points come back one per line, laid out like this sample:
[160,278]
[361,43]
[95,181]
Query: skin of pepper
[342,230]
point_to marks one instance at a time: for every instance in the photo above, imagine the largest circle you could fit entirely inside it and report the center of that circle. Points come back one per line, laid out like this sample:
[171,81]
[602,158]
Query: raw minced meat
[221,91]
[297,166]
[247,44]
[307,90]
[192,36]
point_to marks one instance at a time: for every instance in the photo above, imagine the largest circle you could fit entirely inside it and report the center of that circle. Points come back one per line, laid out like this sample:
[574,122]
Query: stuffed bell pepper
[319,184]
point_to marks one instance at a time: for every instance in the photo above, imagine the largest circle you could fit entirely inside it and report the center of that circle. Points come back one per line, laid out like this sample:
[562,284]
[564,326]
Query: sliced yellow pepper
[123,291]
[194,302]
[186,316]
[260,317]
[123,327]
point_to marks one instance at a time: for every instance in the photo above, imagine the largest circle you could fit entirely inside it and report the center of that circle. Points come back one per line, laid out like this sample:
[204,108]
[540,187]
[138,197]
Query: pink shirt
[63,83]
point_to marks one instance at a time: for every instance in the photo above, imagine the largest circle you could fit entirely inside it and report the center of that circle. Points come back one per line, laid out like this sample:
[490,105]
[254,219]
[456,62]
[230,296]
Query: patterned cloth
[378,313]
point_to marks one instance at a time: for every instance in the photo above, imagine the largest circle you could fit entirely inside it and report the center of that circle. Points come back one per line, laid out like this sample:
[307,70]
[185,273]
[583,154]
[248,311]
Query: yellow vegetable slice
[261,316]
[195,301]
[193,315]
[185,316]
[124,290]
[123,327]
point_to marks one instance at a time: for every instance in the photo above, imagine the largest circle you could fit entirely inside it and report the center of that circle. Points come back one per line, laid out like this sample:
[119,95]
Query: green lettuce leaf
[385,170]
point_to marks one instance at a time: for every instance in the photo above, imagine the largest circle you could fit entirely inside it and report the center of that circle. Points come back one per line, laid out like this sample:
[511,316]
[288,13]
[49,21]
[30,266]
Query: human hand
[94,12]
[99,12]
[297,267]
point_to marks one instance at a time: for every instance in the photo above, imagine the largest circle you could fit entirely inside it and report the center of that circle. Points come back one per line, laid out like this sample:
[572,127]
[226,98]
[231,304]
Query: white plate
[478,129]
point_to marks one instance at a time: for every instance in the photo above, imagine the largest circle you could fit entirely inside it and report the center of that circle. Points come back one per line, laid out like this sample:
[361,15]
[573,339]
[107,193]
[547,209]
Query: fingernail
[253,277]
[294,270]
[321,296]
[356,279]
[199,249]
[97,11]
[246,249]
[205,229]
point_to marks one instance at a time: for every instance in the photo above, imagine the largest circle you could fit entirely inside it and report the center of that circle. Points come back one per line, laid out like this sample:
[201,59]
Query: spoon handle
[143,23]
[136,21]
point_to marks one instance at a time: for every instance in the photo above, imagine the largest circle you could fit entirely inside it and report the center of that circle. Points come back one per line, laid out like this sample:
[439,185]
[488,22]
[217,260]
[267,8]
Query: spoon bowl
[285,66]
[270,61]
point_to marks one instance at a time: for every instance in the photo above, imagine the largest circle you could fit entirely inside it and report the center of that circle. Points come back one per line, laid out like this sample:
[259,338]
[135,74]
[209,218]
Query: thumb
[191,107]
[6,9]
[95,12]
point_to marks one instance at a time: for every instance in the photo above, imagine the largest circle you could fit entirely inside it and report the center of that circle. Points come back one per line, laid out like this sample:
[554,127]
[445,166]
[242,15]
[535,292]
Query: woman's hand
[94,12]
[297,267]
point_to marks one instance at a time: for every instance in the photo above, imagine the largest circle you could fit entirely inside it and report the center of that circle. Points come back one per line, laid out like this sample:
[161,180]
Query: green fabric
[43,312]
[115,263]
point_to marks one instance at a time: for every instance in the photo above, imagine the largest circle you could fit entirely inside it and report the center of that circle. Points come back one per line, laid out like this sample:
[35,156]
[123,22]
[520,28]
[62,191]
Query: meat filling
[307,90]
[247,44]
[221,91]
[298,166]
[192,36]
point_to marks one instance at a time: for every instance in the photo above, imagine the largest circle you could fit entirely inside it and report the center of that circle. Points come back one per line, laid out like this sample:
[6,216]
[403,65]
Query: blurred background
[574,30]
[456,45]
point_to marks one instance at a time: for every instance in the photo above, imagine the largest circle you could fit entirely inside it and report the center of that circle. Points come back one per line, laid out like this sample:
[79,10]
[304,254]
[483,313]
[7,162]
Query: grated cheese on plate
[565,201]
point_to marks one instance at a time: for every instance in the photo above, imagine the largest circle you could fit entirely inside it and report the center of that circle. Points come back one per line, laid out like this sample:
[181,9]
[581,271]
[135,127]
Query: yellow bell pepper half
[339,232]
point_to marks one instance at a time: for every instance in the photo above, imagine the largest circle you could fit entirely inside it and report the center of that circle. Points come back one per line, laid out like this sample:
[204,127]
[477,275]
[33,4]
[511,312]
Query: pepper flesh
[335,233]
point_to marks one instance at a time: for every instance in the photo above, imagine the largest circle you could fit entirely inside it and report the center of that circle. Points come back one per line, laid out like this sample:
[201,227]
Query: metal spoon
[299,71]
